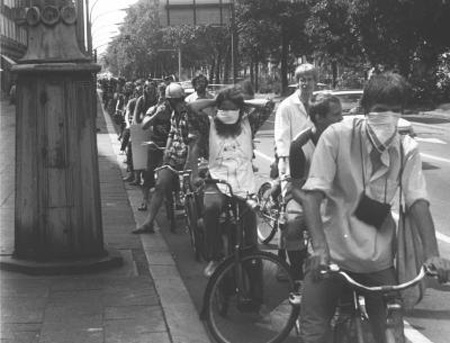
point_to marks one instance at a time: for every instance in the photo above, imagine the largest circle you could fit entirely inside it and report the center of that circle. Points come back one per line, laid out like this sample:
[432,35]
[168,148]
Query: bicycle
[243,300]
[271,215]
[350,323]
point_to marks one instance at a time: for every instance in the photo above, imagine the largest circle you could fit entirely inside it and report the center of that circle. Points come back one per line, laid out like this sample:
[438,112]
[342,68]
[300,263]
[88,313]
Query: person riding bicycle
[174,155]
[356,167]
[324,110]
[227,144]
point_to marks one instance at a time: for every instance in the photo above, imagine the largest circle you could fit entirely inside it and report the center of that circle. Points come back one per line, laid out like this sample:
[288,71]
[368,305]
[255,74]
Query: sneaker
[295,298]
[210,268]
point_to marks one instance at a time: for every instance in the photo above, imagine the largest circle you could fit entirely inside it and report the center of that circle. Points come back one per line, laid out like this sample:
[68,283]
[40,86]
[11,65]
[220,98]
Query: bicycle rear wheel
[267,222]
[260,311]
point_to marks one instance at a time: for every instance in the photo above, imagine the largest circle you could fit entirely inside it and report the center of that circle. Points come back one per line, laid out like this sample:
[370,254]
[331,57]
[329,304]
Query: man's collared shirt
[291,118]
[341,157]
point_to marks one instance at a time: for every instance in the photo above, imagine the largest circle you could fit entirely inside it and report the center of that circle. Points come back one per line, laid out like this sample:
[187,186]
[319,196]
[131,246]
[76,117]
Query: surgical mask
[228,116]
[382,127]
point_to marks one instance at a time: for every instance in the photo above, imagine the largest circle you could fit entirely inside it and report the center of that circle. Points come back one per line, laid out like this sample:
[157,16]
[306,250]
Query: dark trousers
[214,203]
[320,298]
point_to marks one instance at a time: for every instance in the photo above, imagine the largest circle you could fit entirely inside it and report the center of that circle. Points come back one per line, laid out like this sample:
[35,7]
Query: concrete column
[58,223]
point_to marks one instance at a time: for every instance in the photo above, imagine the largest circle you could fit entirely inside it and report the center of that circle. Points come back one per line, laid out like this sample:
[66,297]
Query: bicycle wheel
[267,222]
[196,239]
[259,309]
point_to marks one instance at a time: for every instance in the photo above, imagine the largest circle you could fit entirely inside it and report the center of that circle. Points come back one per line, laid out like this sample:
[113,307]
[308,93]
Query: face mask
[228,116]
[382,127]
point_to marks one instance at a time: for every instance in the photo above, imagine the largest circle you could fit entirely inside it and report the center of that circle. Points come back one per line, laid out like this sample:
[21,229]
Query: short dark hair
[320,104]
[389,89]
[199,77]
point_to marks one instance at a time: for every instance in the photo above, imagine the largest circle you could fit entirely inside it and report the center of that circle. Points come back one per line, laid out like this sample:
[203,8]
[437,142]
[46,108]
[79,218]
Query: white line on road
[431,157]
[430,140]
[442,237]
[264,156]
[413,335]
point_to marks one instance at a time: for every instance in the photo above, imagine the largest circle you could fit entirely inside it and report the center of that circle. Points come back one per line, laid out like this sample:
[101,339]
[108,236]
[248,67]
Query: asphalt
[144,300]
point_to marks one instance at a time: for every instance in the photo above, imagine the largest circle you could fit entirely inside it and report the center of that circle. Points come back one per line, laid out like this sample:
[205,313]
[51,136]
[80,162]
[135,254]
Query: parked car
[351,106]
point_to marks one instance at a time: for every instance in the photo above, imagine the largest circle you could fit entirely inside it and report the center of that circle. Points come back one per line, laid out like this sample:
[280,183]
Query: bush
[269,84]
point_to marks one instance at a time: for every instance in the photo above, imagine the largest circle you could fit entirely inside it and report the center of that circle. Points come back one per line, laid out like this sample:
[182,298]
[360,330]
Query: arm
[282,136]
[201,104]
[282,131]
[414,189]
[262,111]
[152,113]
[311,206]
[137,107]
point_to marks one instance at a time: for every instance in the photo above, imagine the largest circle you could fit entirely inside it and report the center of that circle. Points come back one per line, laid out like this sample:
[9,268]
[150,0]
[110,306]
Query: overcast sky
[105,16]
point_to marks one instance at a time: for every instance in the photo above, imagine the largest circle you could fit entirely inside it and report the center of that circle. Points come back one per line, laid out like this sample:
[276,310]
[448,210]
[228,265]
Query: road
[429,322]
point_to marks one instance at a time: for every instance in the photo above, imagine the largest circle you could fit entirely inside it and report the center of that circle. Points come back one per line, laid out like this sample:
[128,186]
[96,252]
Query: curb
[182,319]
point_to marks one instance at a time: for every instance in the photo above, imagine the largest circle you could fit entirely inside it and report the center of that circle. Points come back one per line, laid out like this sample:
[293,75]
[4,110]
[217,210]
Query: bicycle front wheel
[267,222]
[254,309]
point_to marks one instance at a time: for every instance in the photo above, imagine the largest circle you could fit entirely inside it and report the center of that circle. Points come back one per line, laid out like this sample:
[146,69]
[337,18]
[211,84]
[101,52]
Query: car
[350,102]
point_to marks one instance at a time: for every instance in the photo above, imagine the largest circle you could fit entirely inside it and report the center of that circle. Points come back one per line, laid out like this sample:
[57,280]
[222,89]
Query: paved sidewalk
[145,300]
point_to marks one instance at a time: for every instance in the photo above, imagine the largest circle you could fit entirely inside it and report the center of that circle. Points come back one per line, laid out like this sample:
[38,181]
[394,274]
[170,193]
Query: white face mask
[228,116]
[383,125]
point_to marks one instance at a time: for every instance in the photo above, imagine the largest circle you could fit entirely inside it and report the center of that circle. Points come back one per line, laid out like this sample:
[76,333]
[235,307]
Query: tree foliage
[409,36]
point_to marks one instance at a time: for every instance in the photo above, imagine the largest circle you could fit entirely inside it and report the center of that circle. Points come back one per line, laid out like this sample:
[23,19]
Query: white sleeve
[282,132]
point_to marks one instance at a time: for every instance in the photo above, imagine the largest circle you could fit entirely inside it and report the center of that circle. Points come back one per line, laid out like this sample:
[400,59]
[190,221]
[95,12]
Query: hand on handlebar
[197,182]
[318,262]
[282,166]
[441,266]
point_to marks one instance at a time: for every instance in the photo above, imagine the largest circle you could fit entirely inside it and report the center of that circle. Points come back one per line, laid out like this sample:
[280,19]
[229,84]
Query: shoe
[282,275]
[144,229]
[134,183]
[129,178]
[143,207]
[210,268]
[295,298]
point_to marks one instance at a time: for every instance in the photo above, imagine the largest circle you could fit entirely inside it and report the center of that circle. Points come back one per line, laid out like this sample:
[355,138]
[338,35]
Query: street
[429,321]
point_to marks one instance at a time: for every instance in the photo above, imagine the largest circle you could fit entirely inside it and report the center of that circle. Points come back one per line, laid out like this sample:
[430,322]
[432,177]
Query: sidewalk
[145,300]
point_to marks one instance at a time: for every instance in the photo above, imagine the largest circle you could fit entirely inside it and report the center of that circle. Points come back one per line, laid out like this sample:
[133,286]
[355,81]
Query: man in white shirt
[292,118]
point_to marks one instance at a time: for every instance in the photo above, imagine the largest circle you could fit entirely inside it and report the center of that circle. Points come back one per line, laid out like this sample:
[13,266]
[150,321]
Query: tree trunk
[252,75]
[284,60]
[334,72]
[217,71]
[256,76]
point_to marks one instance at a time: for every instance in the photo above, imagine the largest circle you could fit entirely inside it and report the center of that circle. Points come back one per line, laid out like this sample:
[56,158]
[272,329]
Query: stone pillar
[58,221]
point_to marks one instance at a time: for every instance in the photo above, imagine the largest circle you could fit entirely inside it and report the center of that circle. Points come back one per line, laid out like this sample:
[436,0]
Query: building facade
[13,40]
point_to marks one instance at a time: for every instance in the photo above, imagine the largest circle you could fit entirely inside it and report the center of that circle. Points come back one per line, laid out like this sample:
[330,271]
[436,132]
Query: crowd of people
[338,177]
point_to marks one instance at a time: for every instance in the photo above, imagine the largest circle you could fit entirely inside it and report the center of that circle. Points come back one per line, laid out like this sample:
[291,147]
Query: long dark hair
[230,94]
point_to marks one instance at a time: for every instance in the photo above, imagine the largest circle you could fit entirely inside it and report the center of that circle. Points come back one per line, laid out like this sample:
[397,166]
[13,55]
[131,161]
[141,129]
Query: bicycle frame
[236,219]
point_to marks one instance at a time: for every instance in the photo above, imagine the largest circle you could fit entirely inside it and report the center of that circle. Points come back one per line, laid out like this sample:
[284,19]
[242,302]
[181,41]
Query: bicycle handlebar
[424,271]
[185,172]
[251,200]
